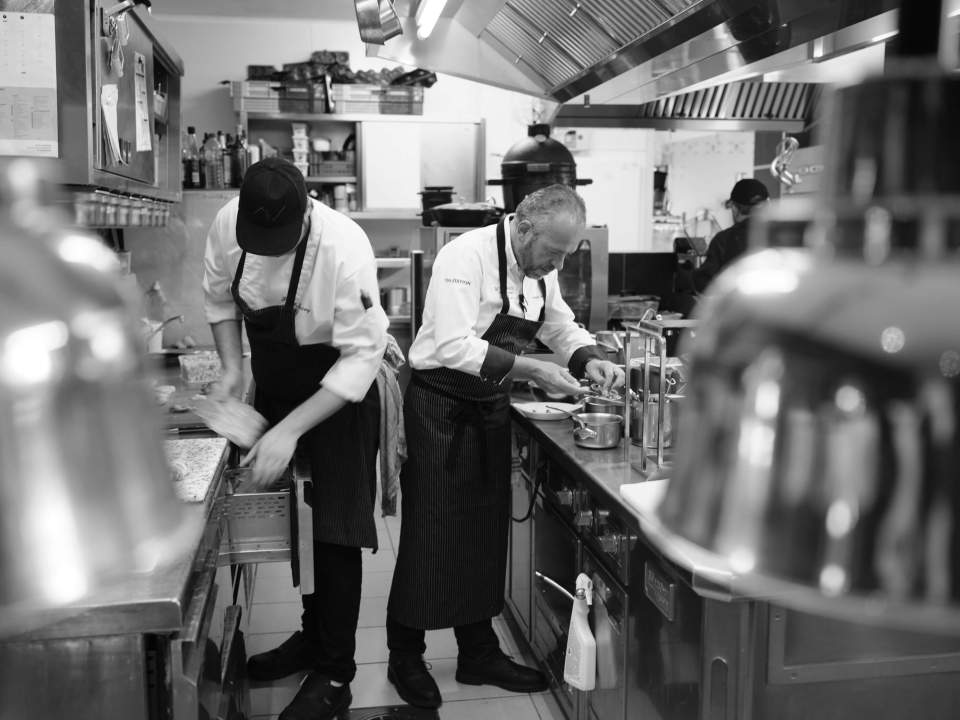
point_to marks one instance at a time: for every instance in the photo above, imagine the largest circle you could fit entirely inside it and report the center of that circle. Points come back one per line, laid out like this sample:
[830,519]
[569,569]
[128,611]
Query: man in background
[727,245]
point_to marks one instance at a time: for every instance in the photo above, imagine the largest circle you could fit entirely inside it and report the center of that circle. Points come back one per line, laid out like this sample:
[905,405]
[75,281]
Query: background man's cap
[273,199]
[749,192]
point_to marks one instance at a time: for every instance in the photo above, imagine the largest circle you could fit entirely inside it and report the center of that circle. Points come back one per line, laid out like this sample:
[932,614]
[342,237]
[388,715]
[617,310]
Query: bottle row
[219,162]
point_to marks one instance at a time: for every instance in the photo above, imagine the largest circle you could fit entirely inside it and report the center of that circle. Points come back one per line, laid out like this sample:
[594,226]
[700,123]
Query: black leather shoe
[295,654]
[414,684]
[499,670]
[317,699]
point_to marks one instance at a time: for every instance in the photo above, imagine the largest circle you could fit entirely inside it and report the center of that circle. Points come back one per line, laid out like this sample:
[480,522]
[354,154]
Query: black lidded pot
[533,163]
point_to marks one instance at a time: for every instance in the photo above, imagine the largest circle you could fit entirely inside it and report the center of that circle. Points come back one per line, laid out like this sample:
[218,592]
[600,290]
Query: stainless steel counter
[154,602]
[606,471]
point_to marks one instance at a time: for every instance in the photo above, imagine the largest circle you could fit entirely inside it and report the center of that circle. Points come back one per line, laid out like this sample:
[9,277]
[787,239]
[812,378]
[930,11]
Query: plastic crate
[377,99]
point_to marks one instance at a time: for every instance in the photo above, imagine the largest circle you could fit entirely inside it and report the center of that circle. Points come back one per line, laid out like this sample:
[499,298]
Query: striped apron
[343,448]
[455,486]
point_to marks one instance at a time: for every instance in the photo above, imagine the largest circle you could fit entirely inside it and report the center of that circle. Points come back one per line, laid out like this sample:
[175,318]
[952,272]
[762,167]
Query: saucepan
[599,431]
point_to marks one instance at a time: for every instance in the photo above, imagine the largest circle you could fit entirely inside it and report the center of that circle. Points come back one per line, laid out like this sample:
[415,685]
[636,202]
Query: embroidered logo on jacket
[457,281]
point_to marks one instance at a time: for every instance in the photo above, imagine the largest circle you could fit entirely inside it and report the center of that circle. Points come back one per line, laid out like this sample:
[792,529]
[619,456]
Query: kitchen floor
[276,614]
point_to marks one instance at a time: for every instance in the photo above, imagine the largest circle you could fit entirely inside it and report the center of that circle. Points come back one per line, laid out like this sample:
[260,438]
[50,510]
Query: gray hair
[542,204]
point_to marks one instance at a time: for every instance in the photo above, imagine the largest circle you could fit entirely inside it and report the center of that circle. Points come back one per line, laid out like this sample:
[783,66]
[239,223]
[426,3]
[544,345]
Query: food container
[598,431]
[201,367]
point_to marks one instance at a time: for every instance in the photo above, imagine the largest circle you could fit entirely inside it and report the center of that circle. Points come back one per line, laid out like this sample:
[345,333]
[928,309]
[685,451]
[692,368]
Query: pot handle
[584,433]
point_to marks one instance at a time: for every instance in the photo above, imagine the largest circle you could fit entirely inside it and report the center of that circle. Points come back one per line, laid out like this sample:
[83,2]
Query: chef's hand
[230,384]
[271,455]
[605,374]
[552,378]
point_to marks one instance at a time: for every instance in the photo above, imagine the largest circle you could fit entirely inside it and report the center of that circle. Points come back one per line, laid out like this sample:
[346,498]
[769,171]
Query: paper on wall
[142,107]
[28,84]
[108,103]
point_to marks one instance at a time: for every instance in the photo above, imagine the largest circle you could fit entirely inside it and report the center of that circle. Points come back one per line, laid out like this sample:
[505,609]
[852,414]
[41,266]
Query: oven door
[206,659]
[608,700]
[556,556]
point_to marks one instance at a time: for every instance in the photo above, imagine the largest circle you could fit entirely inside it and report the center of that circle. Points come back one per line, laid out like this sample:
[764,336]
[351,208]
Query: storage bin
[387,100]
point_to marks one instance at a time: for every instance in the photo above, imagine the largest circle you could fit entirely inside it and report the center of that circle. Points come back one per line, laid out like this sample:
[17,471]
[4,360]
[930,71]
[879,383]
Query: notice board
[28,79]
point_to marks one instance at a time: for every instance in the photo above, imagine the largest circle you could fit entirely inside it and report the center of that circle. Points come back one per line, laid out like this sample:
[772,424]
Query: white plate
[546,410]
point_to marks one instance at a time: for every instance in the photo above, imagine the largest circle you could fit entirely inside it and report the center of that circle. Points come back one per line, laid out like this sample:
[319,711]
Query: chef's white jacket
[464,296]
[337,301]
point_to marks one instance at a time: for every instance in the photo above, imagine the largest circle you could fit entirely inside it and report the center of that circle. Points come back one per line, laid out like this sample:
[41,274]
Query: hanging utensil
[377,20]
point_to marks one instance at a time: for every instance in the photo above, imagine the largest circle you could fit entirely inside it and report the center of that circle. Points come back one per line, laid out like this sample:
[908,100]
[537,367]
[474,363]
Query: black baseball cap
[749,192]
[273,200]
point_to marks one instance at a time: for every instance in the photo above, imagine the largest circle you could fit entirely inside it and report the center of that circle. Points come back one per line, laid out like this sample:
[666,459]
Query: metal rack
[654,335]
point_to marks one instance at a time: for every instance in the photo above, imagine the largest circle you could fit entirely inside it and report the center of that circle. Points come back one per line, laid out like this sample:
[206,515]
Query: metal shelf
[385,215]
[333,117]
[332,179]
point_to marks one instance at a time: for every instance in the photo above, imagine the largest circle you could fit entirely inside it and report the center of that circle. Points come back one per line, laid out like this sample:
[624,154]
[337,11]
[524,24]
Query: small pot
[602,405]
[598,431]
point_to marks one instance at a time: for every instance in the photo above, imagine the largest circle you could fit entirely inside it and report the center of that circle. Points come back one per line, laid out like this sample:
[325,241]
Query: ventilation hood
[632,54]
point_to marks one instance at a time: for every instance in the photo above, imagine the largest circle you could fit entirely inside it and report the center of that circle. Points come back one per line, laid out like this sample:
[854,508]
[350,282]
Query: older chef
[303,279]
[493,290]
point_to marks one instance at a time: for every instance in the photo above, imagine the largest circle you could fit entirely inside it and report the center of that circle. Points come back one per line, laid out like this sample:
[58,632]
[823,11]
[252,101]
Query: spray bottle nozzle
[585,588]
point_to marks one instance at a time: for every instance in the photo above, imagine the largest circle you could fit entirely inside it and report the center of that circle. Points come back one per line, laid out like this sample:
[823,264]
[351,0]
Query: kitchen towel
[393,439]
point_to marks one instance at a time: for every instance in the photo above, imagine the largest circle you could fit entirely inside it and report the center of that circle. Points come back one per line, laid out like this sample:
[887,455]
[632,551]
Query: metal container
[594,404]
[87,495]
[599,431]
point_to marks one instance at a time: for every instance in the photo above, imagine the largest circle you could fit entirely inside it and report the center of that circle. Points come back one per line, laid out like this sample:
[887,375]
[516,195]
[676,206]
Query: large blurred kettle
[87,498]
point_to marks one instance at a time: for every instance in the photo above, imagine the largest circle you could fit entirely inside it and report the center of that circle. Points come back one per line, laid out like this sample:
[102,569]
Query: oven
[556,556]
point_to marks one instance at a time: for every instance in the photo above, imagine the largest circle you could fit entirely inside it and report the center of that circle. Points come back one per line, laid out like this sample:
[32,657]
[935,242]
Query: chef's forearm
[226,336]
[312,411]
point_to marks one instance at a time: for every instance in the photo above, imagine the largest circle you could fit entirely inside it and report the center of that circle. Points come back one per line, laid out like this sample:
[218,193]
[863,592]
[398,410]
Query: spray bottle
[580,666]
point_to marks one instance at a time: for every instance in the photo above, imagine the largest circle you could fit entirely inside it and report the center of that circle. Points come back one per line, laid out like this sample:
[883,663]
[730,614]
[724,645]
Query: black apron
[342,449]
[455,486]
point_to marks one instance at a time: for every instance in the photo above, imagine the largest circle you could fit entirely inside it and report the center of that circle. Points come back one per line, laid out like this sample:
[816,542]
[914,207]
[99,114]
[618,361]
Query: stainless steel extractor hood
[633,52]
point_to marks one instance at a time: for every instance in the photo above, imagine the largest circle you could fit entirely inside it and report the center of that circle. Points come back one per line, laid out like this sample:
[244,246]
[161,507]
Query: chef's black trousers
[474,641]
[331,613]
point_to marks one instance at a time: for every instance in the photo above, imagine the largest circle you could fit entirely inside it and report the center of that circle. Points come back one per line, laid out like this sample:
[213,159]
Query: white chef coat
[337,301]
[464,296]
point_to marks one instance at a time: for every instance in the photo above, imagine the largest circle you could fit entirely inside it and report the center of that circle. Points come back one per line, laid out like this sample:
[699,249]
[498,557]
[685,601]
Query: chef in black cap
[302,279]
[727,245]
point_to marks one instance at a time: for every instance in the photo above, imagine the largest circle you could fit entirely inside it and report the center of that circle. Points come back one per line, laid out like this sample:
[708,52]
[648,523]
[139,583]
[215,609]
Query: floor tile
[518,707]
[275,570]
[373,612]
[381,561]
[274,590]
[547,706]
[271,698]
[256,643]
[440,644]
[376,584]
[371,688]
[371,645]
[275,617]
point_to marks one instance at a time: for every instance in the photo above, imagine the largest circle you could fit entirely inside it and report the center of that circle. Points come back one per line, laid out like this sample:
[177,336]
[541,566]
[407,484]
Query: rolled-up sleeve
[560,331]
[218,304]
[454,303]
[359,333]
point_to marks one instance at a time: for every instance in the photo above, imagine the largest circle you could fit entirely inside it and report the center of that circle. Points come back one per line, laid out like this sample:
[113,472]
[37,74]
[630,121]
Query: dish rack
[653,336]
[274,525]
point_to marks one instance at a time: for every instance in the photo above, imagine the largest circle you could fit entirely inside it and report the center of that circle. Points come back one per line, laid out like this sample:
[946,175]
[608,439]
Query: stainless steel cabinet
[519,583]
